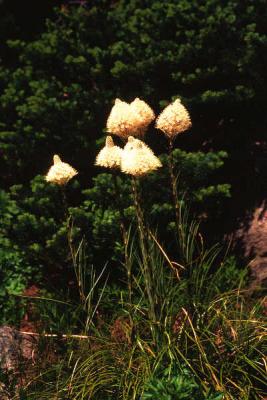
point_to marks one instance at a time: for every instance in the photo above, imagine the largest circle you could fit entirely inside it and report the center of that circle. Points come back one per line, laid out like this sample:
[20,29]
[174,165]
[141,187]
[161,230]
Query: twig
[55,335]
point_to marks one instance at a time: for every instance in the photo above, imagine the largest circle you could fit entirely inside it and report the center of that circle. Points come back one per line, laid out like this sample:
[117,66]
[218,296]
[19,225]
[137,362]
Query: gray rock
[252,236]
[15,347]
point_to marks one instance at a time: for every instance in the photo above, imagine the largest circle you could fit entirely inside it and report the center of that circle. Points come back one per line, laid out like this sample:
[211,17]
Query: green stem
[124,233]
[174,184]
[70,242]
[176,202]
[143,235]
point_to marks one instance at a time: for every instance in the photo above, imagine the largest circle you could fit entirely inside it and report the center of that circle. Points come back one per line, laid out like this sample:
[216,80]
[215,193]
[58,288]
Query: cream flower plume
[60,173]
[174,119]
[110,155]
[122,120]
[145,113]
[137,158]
[129,119]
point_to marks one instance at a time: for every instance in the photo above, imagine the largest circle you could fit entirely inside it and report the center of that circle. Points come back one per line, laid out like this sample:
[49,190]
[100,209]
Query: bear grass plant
[177,327]
[207,340]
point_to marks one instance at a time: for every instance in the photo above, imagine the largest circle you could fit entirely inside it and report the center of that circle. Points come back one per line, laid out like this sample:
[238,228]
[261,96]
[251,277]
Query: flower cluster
[60,173]
[135,159]
[174,119]
[110,155]
[127,120]
[138,159]
[145,113]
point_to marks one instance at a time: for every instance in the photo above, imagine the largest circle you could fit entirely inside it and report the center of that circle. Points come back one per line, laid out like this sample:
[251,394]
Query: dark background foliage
[58,80]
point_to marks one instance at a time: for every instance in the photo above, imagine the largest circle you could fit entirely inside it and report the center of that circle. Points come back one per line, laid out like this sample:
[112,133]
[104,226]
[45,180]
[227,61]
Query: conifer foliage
[56,96]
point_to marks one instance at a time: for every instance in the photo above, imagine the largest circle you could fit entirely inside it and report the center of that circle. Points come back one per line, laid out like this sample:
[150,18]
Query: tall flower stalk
[110,157]
[60,174]
[127,120]
[173,181]
[138,160]
[124,233]
[143,236]
[174,120]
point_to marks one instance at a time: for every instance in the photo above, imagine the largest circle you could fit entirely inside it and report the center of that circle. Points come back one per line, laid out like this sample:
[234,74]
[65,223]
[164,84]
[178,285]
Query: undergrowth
[204,339]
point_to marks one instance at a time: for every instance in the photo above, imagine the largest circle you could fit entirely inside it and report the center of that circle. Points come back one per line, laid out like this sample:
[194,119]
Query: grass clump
[205,339]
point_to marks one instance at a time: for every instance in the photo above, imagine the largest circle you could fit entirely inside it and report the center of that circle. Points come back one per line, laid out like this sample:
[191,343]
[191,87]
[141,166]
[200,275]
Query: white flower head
[110,155]
[174,119]
[129,119]
[60,173]
[122,120]
[138,159]
[145,113]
